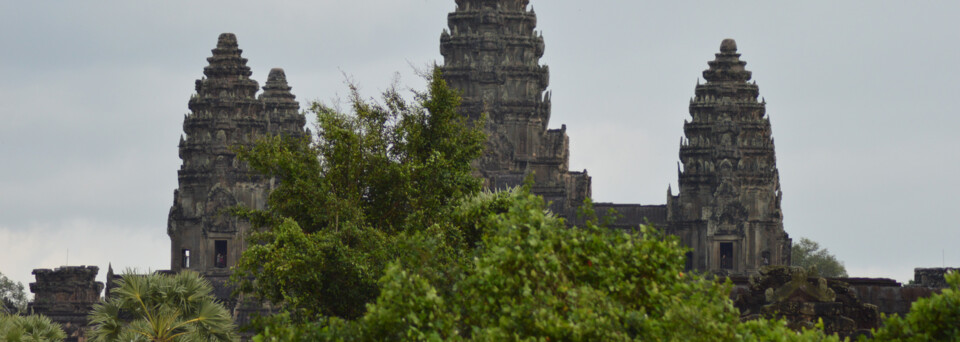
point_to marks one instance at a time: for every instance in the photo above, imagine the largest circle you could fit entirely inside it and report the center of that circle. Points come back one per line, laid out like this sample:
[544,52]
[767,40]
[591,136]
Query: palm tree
[14,328]
[161,308]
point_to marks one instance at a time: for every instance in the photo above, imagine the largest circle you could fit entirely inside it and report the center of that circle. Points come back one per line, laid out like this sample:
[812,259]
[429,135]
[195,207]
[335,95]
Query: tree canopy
[533,278]
[808,253]
[13,297]
[386,170]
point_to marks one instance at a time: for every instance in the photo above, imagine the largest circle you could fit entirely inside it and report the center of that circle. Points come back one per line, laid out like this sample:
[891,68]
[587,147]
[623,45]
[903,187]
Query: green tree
[378,231]
[935,318]
[532,278]
[386,170]
[159,307]
[33,328]
[808,253]
[13,297]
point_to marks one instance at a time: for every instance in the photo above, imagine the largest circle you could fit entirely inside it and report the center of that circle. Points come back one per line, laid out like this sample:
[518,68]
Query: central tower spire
[492,56]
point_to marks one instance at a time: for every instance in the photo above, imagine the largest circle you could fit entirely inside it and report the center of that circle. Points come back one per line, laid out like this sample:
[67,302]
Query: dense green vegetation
[384,173]
[378,231]
[807,253]
[161,308]
[532,278]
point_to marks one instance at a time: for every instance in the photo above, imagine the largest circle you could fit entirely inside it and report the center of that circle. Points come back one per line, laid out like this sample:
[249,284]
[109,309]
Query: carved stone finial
[227,40]
[728,46]
[277,90]
[277,76]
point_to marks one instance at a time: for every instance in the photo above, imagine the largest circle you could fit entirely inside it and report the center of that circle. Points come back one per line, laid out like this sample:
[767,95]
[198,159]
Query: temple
[492,56]
[728,206]
[224,113]
[727,209]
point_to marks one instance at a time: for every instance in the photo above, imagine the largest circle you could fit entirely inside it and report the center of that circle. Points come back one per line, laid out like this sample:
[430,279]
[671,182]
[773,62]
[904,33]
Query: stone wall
[886,296]
[67,295]
[630,216]
[932,277]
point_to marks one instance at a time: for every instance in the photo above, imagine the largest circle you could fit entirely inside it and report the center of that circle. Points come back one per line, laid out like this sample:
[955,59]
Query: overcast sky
[862,97]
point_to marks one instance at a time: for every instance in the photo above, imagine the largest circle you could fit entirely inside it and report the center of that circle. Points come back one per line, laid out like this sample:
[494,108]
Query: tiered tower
[728,208]
[225,113]
[492,56]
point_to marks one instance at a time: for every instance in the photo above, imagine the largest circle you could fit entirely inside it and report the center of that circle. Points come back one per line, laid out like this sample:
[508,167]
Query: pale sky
[861,96]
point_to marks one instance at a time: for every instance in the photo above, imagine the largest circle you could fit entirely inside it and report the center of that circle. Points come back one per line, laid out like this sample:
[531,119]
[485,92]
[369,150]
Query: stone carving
[728,206]
[802,298]
[66,295]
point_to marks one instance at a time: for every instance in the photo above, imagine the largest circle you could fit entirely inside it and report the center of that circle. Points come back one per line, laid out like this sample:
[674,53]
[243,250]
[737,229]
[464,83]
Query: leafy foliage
[160,307]
[935,318]
[532,278]
[807,253]
[13,297]
[33,328]
[387,170]
[379,232]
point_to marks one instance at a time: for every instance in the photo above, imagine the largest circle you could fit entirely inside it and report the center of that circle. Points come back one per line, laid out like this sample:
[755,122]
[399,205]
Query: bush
[34,328]
[935,318]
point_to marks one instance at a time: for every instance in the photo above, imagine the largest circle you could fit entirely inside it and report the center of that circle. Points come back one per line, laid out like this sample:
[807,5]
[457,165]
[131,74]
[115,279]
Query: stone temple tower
[492,56]
[728,208]
[224,113]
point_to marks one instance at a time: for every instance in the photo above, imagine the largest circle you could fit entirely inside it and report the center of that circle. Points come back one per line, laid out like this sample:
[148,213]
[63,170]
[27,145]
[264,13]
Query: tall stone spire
[728,206]
[224,113]
[280,105]
[492,56]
